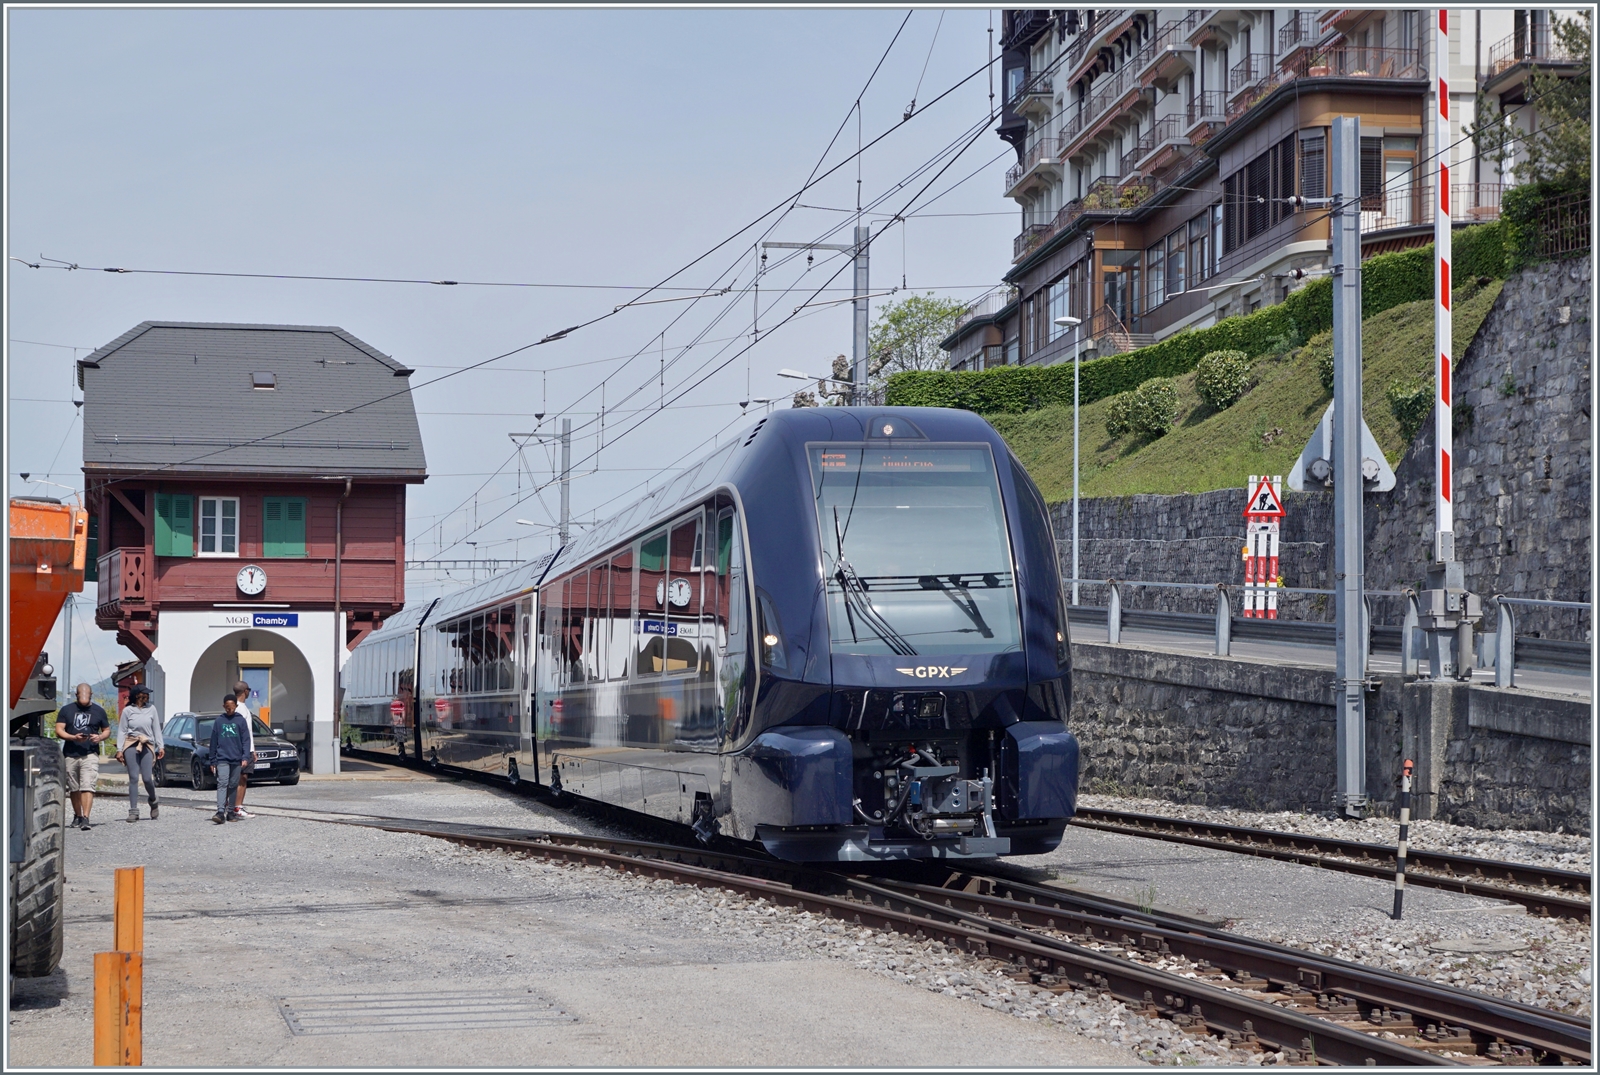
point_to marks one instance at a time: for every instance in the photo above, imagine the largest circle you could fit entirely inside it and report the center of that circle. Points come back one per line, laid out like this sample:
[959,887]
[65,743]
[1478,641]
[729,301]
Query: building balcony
[1250,71]
[1023,28]
[1035,96]
[1351,61]
[1105,24]
[1160,146]
[1532,44]
[988,305]
[1168,55]
[1040,160]
[1031,236]
[1211,27]
[1302,32]
[1412,206]
[1207,111]
[1117,94]
[124,582]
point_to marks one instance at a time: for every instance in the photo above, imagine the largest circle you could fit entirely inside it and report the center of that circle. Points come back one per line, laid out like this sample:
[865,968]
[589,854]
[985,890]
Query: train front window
[914,549]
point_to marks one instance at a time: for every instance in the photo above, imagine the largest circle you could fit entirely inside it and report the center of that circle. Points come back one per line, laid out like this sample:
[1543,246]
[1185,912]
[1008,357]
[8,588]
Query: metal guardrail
[1502,650]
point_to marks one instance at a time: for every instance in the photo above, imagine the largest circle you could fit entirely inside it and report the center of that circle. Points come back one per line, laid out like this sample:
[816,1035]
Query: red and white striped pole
[1444,520]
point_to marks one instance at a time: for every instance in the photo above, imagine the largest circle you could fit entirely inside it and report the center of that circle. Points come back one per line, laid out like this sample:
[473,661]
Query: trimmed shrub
[1410,402]
[1118,415]
[1386,281]
[1154,407]
[1324,353]
[1222,377]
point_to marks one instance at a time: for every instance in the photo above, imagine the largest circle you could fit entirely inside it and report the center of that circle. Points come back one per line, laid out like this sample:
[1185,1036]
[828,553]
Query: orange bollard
[128,910]
[118,1009]
[119,978]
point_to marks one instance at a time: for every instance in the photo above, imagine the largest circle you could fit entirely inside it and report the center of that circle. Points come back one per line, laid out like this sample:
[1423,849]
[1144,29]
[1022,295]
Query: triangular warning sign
[1264,501]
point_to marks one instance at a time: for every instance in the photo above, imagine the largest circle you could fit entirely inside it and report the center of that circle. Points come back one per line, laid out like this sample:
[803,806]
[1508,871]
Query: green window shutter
[174,525]
[163,524]
[182,525]
[283,526]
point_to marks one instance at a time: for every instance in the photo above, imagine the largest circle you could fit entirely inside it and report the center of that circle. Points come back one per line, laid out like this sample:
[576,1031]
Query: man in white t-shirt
[241,691]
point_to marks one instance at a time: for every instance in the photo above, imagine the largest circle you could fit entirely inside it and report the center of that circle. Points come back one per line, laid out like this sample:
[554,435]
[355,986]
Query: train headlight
[770,640]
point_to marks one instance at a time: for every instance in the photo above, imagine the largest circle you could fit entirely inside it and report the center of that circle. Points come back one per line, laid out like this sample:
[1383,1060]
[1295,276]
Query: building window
[1313,164]
[1060,306]
[174,524]
[1199,244]
[283,526]
[1257,196]
[1155,273]
[1177,263]
[219,526]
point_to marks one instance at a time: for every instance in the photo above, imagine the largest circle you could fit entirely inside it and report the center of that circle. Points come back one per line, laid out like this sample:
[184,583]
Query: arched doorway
[293,686]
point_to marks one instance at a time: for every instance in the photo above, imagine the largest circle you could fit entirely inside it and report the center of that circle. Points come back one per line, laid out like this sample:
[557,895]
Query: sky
[587,147]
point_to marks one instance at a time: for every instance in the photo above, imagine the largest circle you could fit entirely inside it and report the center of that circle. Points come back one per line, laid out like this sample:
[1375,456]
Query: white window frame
[200,526]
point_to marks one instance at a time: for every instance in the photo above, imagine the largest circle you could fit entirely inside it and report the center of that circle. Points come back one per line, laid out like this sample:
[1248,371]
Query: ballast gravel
[1499,950]
[1558,850]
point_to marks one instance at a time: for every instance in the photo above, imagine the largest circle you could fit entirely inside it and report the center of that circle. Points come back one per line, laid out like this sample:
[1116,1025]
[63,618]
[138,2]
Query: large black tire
[38,886]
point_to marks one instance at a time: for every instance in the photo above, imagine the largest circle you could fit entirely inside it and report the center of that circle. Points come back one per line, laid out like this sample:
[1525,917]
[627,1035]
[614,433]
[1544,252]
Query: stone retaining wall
[1232,732]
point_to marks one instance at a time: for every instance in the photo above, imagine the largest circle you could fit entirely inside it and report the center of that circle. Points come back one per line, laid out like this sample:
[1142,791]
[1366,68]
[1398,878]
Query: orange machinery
[49,541]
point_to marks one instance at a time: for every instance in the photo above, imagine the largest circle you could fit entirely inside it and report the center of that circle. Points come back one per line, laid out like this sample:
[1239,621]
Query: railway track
[1256,995]
[1543,890]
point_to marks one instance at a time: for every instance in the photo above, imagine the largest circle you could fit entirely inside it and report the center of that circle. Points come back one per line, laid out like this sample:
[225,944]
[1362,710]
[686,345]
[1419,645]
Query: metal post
[860,306]
[1347,479]
[1443,511]
[1224,622]
[1410,658]
[66,679]
[1405,836]
[566,479]
[1505,648]
[1077,367]
[1114,613]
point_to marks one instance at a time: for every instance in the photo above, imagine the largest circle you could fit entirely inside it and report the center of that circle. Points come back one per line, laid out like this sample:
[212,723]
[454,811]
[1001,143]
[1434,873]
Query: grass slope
[1263,433]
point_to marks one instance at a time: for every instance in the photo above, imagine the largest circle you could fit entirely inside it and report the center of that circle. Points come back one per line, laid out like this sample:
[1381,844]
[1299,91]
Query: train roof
[692,483]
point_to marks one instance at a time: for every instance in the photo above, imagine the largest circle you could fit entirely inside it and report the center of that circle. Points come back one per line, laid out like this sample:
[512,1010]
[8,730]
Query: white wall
[185,638]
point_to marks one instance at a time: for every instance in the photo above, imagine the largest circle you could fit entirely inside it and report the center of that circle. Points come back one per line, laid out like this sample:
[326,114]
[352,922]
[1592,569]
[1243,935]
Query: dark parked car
[188,737]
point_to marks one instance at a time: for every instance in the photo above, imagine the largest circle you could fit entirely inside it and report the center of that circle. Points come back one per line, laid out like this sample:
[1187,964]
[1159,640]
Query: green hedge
[1386,281]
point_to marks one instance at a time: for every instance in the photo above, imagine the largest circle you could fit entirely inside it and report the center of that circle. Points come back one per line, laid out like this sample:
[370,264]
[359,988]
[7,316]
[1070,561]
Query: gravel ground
[1555,849]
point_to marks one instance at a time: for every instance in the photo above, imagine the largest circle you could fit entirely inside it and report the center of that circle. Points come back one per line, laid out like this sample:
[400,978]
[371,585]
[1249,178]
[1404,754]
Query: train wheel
[38,884]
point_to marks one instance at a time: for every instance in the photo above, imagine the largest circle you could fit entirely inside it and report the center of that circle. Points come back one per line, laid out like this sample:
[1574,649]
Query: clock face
[679,592]
[252,580]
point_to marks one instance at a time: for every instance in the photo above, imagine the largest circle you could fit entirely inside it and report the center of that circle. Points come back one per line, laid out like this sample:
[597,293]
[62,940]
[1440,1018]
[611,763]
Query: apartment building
[1158,152]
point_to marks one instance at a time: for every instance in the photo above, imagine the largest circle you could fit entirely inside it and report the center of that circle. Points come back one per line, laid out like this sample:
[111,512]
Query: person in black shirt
[82,726]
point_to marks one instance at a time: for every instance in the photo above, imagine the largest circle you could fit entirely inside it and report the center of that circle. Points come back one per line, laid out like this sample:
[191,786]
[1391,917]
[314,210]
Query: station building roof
[271,400]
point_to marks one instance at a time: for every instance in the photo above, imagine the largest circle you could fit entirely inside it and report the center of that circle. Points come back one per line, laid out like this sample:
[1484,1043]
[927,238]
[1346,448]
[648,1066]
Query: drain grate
[371,1013]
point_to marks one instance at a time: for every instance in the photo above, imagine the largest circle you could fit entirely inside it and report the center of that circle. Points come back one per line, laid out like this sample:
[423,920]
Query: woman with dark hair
[139,744]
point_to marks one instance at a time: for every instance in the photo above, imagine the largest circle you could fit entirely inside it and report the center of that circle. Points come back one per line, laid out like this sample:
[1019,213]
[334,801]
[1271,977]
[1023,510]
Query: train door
[527,761]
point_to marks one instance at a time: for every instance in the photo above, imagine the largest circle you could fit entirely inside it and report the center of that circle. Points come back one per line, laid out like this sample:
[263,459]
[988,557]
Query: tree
[1558,150]
[906,336]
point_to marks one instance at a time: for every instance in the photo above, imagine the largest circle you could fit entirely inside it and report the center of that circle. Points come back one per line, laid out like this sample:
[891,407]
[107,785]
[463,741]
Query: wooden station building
[247,492]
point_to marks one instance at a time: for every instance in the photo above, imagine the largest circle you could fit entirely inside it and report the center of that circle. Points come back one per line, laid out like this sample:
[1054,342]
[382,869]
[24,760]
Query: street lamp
[1068,321]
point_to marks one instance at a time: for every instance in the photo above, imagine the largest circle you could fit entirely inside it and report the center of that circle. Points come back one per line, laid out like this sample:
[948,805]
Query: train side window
[502,626]
[577,610]
[652,622]
[729,595]
[619,615]
[682,597]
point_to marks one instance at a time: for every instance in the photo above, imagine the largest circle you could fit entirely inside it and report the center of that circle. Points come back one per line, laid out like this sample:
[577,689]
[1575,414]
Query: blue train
[841,636]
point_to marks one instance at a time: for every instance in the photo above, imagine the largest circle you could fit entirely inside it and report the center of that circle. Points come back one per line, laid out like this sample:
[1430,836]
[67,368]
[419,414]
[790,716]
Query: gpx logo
[931,671]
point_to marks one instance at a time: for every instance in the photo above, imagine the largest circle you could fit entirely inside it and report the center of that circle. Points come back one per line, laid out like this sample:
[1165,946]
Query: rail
[1412,205]
[1545,891]
[1241,989]
[988,305]
[1501,650]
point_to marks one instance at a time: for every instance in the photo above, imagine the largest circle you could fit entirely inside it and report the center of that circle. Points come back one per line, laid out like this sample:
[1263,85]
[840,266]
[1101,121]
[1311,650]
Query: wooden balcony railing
[124,578]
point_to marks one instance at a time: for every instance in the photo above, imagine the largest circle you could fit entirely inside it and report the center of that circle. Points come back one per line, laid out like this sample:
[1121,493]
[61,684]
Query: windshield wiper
[857,603]
[963,600]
